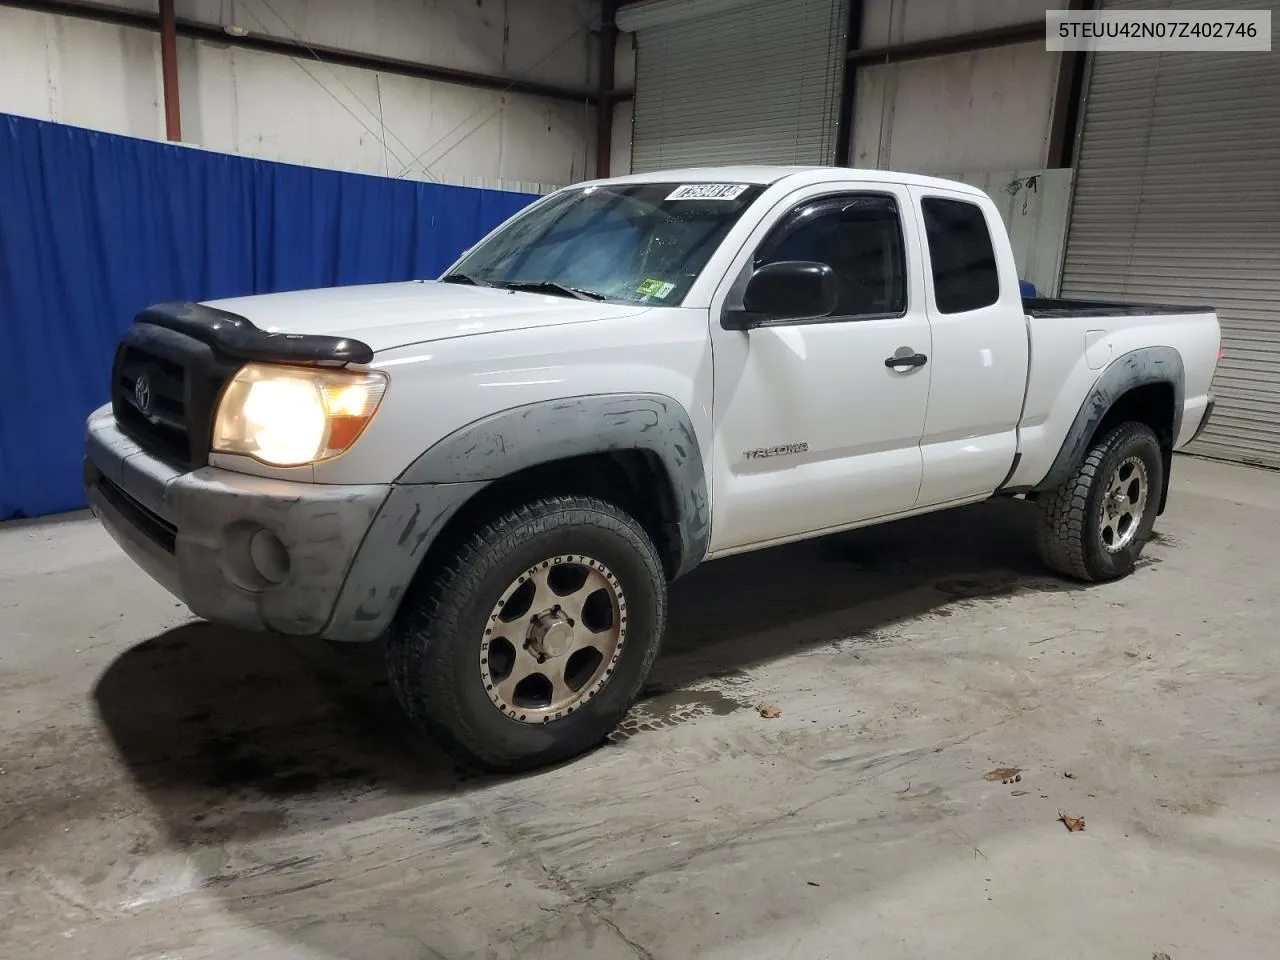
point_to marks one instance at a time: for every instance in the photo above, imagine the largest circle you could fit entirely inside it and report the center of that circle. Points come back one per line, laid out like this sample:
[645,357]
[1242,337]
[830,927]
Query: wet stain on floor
[998,585]
[868,638]
[673,707]
[981,586]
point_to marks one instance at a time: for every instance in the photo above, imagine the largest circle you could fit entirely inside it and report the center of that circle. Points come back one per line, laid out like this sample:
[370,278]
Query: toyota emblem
[142,393]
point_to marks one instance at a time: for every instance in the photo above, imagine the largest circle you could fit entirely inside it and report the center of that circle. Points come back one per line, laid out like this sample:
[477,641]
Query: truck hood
[388,315]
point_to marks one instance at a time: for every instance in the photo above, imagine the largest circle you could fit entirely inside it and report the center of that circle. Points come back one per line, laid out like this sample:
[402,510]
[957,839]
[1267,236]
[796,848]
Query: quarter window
[860,238]
[961,255]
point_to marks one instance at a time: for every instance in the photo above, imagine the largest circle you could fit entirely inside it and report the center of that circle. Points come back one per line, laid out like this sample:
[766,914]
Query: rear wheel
[532,643]
[1094,526]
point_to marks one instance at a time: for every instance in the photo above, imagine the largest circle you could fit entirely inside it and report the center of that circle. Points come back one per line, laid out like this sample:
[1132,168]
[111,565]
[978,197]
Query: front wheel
[531,644]
[1094,526]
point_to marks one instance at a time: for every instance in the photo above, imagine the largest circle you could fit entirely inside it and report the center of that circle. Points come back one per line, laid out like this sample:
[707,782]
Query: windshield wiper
[463,278]
[558,289]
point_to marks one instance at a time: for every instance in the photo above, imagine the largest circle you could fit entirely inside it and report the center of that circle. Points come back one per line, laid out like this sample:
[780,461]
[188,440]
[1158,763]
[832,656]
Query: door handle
[906,360]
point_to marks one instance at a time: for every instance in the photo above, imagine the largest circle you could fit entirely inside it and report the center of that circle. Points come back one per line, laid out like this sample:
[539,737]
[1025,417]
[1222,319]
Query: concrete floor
[172,790]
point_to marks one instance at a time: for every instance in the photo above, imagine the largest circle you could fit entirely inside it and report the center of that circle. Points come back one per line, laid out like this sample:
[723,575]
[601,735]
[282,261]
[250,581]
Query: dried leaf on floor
[1073,824]
[1161,955]
[768,710]
[1003,774]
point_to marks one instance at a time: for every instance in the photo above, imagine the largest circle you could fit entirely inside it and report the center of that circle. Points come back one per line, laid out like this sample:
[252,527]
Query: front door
[814,431]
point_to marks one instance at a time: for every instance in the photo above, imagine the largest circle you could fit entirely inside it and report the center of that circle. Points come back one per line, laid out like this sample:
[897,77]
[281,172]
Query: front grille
[153,403]
[164,391]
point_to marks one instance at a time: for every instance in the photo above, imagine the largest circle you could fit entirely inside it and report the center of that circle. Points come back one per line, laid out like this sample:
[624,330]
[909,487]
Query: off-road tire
[1068,535]
[433,646]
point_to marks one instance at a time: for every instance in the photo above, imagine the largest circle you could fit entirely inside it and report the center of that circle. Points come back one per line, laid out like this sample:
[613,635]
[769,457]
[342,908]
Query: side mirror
[786,290]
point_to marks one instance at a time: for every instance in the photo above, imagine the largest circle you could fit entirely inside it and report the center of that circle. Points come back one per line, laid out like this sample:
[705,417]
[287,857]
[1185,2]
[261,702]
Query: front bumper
[263,554]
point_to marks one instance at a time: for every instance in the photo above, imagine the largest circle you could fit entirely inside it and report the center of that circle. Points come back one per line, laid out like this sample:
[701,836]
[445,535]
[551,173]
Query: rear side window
[964,262]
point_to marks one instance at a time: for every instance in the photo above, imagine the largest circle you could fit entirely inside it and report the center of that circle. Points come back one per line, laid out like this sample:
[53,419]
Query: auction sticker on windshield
[709,191]
[655,288]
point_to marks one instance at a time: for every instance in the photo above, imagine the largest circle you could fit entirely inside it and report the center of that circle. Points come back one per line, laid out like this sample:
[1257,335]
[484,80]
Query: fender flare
[512,440]
[1137,368]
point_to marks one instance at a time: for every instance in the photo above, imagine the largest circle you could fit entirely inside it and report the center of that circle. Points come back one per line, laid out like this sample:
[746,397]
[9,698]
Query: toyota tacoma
[498,472]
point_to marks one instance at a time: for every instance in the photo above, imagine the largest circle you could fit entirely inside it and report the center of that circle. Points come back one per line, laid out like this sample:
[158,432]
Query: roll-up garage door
[735,81]
[1177,200]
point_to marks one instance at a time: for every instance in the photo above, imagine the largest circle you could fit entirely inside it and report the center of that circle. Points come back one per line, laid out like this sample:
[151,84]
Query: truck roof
[769,175]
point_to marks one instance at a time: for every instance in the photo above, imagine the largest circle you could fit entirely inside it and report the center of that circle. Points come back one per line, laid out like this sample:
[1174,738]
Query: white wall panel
[620,142]
[986,110]
[624,61]
[242,101]
[301,111]
[505,37]
[905,21]
[624,78]
[485,36]
[1035,206]
[79,72]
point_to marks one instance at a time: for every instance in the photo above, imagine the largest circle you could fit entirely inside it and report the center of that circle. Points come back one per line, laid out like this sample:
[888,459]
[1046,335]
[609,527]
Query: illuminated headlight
[289,416]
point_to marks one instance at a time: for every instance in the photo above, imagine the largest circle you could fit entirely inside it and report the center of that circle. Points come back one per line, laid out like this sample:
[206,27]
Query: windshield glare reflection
[628,243]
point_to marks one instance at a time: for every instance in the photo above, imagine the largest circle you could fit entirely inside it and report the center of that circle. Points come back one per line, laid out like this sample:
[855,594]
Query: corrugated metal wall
[1177,199]
[756,83]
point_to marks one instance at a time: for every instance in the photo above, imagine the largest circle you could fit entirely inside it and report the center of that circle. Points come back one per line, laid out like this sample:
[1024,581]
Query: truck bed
[1048,308]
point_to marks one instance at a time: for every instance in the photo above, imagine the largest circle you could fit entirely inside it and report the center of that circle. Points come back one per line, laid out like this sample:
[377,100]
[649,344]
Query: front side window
[634,243]
[857,236]
[964,264]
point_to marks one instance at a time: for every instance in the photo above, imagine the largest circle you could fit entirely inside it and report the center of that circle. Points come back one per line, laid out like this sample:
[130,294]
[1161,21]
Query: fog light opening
[269,557]
[253,557]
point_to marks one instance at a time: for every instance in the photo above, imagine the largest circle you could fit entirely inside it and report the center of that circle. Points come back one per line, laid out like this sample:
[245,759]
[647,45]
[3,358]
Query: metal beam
[848,86]
[213,33]
[1067,99]
[608,41]
[942,46]
[169,71]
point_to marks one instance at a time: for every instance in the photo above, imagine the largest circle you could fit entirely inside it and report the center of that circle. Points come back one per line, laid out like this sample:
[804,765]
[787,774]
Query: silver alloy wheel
[1123,503]
[553,638]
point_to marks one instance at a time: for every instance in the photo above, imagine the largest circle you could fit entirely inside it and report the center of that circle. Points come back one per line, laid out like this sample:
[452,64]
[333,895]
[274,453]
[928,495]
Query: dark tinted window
[964,263]
[860,238]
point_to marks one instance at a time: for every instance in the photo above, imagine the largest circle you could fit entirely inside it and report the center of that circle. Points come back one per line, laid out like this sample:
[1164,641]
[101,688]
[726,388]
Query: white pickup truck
[499,472]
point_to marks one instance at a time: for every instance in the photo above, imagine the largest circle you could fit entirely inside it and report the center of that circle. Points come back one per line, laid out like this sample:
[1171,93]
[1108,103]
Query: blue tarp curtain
[94,227]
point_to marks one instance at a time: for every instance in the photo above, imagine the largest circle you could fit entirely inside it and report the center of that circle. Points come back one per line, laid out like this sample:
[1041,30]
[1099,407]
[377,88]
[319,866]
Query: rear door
[980,347]
[814,430]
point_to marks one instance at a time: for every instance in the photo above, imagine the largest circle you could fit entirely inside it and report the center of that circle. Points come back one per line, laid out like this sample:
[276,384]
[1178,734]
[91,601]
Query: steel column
[169,70]
[604,101]
[1067,99]
[849,87]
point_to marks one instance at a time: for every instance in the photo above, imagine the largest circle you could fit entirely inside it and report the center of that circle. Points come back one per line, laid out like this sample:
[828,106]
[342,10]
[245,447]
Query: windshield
[632,243]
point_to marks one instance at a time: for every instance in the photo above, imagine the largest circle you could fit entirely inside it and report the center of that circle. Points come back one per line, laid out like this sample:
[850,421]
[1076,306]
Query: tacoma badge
[786,449]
